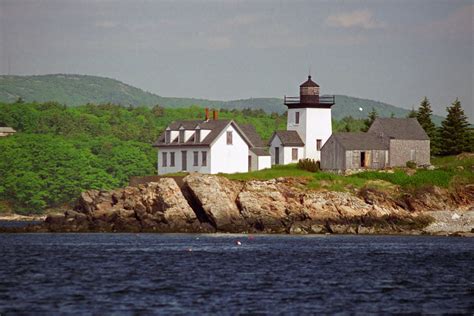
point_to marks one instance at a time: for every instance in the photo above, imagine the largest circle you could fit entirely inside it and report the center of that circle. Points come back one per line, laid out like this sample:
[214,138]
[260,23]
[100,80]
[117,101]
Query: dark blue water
[195,274]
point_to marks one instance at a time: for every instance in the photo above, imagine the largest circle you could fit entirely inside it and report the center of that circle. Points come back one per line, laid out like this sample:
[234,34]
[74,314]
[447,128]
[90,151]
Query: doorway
[362,159]
[277,155]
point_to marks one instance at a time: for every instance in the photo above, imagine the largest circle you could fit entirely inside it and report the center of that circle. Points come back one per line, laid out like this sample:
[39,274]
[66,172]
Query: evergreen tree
[370,119]
[455,134]
[412,113]
[424,118]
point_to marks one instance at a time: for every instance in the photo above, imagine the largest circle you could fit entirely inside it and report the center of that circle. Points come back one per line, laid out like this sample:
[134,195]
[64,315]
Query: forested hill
[81,89]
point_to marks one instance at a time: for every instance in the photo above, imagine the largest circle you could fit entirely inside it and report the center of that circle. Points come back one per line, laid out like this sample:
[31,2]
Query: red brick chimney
[207,114]
[214,115]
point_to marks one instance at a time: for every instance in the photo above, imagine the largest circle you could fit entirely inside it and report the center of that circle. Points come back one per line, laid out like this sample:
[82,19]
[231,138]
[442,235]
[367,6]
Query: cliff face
[207,203]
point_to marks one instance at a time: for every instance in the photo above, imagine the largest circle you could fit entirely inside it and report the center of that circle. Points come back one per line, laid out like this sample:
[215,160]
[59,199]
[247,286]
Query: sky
[395,51]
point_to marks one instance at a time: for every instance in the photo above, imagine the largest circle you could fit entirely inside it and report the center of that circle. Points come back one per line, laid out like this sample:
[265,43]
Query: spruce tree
[369,120]
[412,113]
[424,118]
[455,133]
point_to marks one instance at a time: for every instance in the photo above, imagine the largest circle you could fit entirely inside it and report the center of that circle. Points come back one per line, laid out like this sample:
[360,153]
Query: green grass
[449,170]
[267,174]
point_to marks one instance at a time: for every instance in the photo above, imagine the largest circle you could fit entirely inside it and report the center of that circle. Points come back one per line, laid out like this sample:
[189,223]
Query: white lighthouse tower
[310,116]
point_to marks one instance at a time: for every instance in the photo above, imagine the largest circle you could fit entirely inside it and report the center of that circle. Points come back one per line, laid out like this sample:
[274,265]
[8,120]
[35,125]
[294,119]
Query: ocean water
[212,274]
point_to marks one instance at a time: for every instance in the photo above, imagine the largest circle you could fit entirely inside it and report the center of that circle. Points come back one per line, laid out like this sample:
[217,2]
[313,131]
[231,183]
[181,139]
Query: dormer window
[197,136]
[181,136]
[168,137]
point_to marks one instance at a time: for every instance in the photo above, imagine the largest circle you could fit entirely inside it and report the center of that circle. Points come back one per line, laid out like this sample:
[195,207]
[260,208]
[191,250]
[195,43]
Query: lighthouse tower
[310,116]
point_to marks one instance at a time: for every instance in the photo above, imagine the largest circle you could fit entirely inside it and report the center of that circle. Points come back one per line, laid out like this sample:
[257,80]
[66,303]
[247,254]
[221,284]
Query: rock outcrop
[208,203]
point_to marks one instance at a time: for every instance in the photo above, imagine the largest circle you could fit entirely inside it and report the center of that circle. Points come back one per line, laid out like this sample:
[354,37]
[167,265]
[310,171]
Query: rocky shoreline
[209,204]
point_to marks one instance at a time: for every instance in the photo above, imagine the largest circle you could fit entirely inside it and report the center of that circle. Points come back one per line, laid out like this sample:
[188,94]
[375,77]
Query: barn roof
[360,141]
[309,83]
[401,128]
[288,138]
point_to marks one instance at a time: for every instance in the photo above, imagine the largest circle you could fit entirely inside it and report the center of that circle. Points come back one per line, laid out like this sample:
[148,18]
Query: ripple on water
[99,273]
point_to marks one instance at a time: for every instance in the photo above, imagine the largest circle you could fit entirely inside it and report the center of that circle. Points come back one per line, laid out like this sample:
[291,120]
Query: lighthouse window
[297,117]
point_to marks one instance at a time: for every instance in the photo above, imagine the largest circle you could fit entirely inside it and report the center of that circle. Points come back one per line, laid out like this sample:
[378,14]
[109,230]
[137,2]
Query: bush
[411,164]
[310,165]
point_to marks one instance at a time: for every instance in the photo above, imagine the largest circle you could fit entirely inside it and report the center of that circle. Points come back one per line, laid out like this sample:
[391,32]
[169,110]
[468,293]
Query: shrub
[411,164]
[310,165]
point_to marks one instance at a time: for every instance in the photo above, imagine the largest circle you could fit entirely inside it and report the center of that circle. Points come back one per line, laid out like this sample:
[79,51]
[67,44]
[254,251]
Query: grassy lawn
[267,174]
[448,170]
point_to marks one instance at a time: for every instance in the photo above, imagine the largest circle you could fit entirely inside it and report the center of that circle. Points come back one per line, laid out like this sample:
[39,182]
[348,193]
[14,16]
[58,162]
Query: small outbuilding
[344,151]
[389,142]
[286,147]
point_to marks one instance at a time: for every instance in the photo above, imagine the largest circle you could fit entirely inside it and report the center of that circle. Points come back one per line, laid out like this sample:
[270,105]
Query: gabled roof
[401,128]
[248,133]
[260,151]
[359,141]
[309,83]
[251,133]
[7,130]
[288,138]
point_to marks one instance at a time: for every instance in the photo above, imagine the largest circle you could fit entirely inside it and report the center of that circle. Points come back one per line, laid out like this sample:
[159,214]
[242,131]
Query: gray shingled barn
[390,142]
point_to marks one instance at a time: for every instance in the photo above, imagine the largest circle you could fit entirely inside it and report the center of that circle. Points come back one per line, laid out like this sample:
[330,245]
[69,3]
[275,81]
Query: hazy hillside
[81,89]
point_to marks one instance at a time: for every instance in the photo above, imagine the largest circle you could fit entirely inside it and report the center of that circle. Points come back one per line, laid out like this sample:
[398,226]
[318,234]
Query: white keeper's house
[211,146]
[308,126]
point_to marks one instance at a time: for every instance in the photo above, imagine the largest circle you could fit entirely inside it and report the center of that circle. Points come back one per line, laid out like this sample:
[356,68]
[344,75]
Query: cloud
[356,19]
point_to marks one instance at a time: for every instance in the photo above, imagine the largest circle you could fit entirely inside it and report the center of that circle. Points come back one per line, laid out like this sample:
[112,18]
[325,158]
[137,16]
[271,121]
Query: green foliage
[370,119]
[423,116]
[412,113]
[455,135]
[310,165]
[348,124]
[411,164]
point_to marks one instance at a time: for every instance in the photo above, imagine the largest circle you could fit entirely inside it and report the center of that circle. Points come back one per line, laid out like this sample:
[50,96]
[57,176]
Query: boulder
[215,198]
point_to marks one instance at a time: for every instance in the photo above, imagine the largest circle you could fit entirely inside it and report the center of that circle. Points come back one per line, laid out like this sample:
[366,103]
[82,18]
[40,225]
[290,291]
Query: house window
[297,117]
[197,136]
[164,161]
[229,138]
[376,156]
[294,154]
[195,158]
[318,144]
[181,136]
[168,137]
[412,154]
[172,159]
[204,158]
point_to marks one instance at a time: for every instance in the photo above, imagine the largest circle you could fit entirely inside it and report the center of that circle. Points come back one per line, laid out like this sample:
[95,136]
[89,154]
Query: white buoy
[361,109]
[238,243]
